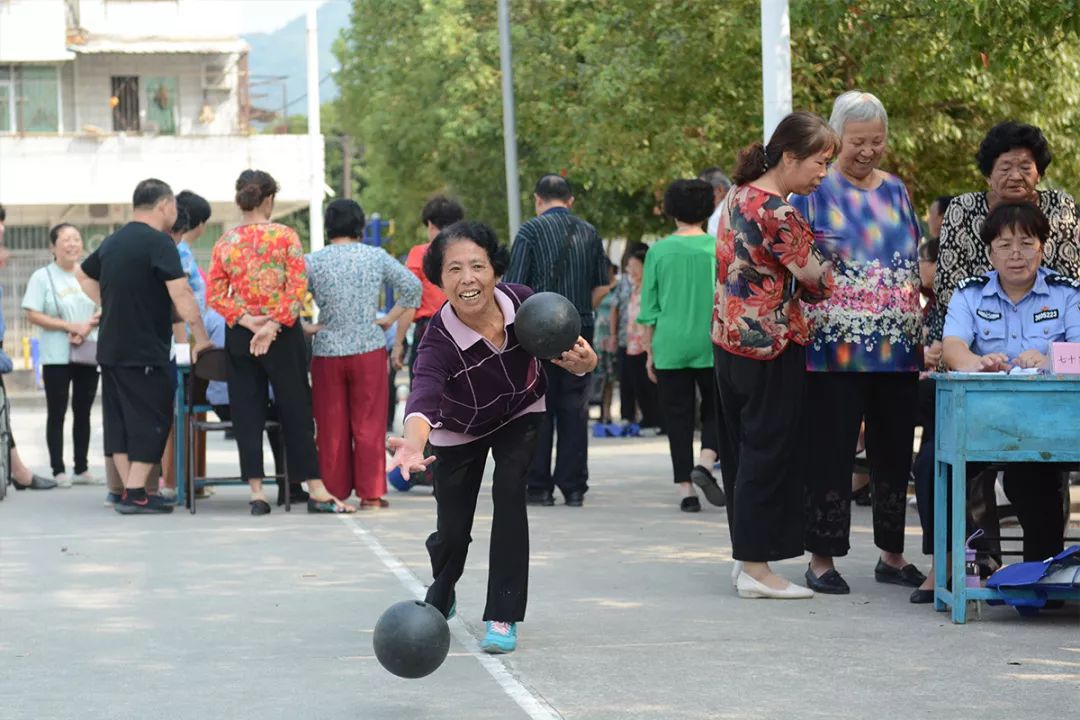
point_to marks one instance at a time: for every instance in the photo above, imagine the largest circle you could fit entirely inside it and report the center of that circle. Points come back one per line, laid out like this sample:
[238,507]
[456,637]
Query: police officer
[1008,318]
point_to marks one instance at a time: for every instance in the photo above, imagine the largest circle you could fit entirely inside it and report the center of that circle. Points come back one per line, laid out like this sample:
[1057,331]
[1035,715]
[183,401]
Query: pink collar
[465,336]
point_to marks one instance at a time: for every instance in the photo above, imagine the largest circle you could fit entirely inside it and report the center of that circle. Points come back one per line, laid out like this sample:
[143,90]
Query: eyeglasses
[1027,248]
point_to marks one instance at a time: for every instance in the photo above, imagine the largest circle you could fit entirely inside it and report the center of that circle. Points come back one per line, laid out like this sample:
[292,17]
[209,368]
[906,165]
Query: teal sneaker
[453,610]
[501,637]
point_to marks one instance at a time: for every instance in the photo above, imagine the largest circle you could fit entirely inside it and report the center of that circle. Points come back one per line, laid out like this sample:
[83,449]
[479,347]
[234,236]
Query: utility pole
[346,167]
[316,149]
[775,63]
[513,192]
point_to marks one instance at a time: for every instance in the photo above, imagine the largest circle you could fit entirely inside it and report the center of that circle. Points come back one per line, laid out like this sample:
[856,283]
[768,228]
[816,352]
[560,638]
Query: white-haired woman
[865,352]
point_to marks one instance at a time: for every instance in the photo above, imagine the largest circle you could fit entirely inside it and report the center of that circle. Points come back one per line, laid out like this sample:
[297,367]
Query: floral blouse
[766,261]
[873,321]
[258,269]
[963,253]
[635,332]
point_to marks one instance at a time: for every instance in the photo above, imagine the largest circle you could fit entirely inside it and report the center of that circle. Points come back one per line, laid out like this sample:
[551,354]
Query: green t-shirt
[76,306]
[677,298]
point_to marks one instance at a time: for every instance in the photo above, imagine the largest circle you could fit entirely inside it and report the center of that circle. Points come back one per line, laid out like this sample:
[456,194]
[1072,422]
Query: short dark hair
[639,252]
[254,186]
[441,211]
[1010,135]
[689,201]
[800,133]
[929,249]
[553,187]
[149,193]
[196,206]
[55,230]
[344,218]
[3,214]
[478,233]
[1023,216]
[716,177]
[942,202]
[183,220]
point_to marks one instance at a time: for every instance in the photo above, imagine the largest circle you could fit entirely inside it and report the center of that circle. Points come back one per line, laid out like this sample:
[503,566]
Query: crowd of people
[788,321]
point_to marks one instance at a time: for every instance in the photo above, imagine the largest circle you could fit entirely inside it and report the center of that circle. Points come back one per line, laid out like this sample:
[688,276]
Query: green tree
[623,96]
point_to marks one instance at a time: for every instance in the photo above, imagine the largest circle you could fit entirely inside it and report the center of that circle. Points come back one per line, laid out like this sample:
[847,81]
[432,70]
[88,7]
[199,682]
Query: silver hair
[857,106]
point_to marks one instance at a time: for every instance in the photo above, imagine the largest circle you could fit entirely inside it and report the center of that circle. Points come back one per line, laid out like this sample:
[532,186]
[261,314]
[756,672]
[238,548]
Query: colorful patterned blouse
[258,269]
[873,321]
[766,261]
[635,332]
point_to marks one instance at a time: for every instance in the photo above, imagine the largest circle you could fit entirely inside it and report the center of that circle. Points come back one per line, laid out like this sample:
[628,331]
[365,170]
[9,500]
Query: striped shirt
[535,258]
[463,386]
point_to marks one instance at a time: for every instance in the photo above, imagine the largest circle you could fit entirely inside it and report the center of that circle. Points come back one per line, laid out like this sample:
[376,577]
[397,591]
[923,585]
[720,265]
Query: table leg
[179,451]
[956,542]
[941,523]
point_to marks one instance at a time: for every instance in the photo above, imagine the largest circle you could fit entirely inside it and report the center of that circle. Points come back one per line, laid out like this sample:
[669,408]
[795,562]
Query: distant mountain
[284,53]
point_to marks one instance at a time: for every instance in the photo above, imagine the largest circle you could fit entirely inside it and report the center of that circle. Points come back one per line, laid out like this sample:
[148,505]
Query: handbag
[85,353]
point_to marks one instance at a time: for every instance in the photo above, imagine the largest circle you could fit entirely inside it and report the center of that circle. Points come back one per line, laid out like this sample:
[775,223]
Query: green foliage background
[625,95]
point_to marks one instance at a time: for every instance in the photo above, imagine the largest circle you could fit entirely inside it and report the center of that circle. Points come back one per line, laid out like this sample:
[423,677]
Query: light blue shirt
[194,277]
[346,282]
[983,316]
[55,292]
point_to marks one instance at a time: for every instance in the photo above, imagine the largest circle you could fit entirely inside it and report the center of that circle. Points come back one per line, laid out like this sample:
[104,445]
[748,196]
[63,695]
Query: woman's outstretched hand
[579,359]
[406,457]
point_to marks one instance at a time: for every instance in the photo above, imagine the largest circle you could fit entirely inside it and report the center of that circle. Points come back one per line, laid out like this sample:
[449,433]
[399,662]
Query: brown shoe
[374,503]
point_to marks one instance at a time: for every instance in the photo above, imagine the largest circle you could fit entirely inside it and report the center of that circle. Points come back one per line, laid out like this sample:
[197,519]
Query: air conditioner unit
[216,77]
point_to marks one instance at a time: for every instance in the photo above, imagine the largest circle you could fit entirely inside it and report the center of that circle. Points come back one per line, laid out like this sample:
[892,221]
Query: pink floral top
[259,270]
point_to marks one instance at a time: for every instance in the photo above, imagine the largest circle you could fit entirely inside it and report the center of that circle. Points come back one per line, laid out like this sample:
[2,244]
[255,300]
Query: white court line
[535,707]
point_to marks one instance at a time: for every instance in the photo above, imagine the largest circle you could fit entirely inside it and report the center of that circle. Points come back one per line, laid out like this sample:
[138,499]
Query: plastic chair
[213,365]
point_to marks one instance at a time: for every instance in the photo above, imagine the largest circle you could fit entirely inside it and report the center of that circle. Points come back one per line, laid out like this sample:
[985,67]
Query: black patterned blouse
[963,253]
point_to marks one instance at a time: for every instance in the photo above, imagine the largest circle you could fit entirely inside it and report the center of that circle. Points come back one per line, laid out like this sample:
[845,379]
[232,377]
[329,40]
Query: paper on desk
[1065,358]
[183,353]
[1013,371]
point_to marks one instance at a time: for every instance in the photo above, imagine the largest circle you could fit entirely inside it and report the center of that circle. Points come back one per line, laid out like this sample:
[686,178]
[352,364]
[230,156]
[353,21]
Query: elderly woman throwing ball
[476,390]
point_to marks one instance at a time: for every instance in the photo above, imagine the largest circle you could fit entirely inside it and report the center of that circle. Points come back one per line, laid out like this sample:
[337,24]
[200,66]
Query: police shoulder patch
[974,281]
[1056,279]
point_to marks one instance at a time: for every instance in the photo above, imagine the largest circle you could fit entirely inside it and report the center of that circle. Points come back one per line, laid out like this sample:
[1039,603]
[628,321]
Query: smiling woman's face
[468,279]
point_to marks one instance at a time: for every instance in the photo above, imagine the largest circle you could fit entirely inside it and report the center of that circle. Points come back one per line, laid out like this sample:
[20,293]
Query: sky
[258,16]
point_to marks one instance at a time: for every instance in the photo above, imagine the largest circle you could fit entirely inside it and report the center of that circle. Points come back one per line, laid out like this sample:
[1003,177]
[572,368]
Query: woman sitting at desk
[1008,319]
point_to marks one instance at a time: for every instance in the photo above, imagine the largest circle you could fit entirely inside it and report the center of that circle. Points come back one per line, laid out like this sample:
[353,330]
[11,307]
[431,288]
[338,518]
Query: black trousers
[637,391]
[567,417]
[284,366]
[458,472]
[273,434]
[888,403]
[763,406]
[678,391]
[80,383]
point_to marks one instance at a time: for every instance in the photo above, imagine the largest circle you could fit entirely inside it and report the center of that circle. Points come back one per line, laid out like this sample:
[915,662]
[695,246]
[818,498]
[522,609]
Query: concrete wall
[48,178]
[32,31]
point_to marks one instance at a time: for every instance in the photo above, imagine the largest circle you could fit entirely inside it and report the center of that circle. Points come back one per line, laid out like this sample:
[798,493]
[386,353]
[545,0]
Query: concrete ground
[632,615]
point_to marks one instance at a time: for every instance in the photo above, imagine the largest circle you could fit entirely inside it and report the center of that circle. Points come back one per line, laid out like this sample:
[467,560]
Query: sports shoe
[148,505]
[111,499]
[62,480]
[631,430]
[501,637]
[85,478]
[168,495]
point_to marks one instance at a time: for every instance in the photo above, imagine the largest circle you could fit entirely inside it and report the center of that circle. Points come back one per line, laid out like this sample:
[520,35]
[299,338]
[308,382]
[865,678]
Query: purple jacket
[464,386]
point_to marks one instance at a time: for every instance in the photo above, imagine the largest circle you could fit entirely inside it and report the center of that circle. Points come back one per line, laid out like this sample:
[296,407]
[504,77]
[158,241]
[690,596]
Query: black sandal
[690,504]
[259,507]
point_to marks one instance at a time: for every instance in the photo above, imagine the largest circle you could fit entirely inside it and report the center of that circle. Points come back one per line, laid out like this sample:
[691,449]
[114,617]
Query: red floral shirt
[766,261]
[258,270]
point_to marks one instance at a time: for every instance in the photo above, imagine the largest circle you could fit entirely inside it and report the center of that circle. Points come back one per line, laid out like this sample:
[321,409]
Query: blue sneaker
[599,430]
[398,481]
[631,430]
[111,499]
[501,637]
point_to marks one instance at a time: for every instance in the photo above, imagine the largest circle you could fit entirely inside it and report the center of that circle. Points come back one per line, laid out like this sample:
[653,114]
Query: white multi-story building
[96,95]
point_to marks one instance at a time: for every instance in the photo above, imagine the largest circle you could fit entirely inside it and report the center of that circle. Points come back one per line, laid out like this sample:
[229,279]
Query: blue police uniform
[983,316]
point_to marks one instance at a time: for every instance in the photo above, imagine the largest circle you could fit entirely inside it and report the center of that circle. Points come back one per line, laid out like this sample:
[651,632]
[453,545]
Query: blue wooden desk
[993,418]
[180,423]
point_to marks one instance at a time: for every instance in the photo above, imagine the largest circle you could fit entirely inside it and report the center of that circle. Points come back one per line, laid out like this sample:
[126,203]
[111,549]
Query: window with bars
[125,102]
